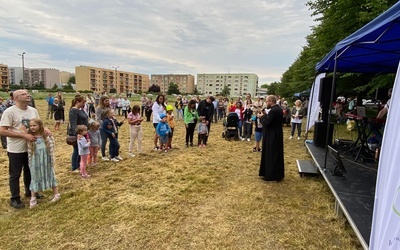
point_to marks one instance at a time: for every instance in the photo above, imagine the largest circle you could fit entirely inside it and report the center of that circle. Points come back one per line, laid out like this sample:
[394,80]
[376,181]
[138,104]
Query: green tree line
[336,19]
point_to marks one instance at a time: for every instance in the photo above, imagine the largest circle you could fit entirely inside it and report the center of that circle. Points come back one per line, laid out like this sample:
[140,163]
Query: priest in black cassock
[272,162]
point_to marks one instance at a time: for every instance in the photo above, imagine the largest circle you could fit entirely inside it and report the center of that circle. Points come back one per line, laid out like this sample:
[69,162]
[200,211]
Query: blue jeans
[76,159]
[240,124]
[114,147]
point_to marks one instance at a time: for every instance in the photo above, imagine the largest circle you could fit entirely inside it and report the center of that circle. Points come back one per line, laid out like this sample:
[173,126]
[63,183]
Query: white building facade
[239,84]
[16,75]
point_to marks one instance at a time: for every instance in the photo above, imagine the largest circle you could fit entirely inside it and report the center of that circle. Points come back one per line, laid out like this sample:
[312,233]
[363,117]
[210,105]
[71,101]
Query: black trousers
[190,132]
[17,163]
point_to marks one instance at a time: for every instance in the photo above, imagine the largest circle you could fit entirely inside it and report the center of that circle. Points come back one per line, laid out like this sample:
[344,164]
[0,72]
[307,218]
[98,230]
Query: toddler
[95,142]
[110,127]
[171,123]
[162,131]
[83,148]
[203,132]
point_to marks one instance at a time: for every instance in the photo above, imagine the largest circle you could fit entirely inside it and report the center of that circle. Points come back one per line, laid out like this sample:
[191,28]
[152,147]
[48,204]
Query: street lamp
[116,77]
[23,69]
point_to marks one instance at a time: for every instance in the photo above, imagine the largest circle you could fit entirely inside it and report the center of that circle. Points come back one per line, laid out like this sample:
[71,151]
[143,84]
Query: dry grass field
[188,198]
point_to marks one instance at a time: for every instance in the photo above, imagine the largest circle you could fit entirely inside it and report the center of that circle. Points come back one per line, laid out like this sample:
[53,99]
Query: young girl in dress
[135,129]
[41,162]
[95,142]
[83,148]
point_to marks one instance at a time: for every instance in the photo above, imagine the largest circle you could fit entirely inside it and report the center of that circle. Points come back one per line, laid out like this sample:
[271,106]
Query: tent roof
[375,48]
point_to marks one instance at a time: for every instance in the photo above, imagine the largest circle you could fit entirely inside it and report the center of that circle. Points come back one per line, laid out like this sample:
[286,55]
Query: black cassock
[272,166]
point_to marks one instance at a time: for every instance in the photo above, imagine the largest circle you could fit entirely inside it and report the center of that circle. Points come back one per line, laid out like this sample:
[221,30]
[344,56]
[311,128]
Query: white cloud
[262,37]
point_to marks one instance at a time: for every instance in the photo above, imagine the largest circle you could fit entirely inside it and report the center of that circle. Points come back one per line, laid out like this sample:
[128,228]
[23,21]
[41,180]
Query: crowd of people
[92,120]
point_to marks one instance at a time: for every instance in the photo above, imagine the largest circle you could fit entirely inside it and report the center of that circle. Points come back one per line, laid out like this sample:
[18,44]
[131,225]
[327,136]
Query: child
[258,130]
[135,129]
[58,110]
[203,132]
[110,127]
[162,131]
[95,142]
[41,162]
[171,123]
[83,148]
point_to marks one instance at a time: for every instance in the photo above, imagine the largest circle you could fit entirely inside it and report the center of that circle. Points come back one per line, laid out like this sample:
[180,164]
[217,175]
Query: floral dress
[41,164]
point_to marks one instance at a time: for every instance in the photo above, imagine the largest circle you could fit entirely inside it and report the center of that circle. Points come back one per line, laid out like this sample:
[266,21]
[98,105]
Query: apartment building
[16,75]
[110,80]
[5,79]
[45,76]
[185,82]
[64,76]
[239,84]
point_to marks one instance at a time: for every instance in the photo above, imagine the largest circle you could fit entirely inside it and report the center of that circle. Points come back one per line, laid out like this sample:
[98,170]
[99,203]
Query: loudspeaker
[325,90]
[320,134]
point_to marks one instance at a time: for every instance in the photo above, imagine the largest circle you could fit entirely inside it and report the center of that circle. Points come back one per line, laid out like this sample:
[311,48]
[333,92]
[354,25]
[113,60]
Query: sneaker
[114,160]
[291,137]
[191,144]
[259,150]
[132,155]
[254,149]
[248,139]
[298,138]
[76,171]
[118,158]
[56,198]
[32,203]
[187,145]
[17,203]
[85,176]
[156,148]
[166,151]
[105,158]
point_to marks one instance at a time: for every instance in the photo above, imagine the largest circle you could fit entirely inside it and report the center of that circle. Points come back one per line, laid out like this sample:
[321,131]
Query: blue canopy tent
[375,48]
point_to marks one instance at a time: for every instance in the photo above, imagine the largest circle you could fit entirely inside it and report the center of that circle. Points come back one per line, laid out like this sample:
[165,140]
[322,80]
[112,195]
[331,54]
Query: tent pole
[310,107]
[333,88]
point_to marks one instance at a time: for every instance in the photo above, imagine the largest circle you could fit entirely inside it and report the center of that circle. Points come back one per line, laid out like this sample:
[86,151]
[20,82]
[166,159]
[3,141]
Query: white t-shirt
[16,119]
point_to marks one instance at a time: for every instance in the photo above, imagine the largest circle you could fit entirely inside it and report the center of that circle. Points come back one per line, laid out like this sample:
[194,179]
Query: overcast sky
[156,36]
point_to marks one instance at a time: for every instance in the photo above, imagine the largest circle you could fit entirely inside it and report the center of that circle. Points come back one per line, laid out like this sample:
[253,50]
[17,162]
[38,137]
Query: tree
[154,89]
[71,80]
[226,91]
[68,86]
[173,89]
[336,20]
[272,89]
[55,87]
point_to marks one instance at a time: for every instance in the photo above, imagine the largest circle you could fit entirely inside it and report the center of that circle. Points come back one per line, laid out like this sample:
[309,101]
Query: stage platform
[354,192]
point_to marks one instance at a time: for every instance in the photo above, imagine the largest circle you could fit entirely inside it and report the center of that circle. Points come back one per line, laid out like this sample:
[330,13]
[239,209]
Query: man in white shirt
[14,125]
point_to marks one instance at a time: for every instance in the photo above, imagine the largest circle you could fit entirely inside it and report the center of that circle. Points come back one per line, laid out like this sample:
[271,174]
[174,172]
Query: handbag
[71,139]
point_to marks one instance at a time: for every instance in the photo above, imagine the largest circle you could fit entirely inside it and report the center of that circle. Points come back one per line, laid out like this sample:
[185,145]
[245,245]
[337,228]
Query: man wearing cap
[15,124]
[272,160]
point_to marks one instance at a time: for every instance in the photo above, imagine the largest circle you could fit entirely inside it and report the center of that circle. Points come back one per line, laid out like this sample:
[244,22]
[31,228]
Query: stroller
[231,123]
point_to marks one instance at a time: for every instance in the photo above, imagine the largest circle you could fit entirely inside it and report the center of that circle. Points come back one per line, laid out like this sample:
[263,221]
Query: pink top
[131,116]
